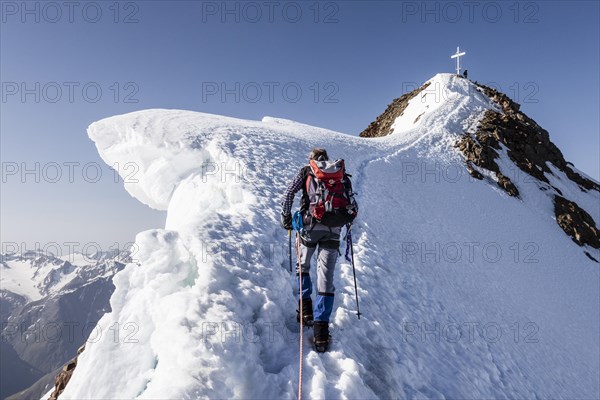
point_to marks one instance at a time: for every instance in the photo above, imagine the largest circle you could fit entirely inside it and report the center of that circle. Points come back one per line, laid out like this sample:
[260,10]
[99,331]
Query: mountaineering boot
[321,340]
[307,312]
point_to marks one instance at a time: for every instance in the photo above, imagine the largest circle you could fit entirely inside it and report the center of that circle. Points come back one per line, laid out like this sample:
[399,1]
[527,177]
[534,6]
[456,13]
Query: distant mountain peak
[502,127]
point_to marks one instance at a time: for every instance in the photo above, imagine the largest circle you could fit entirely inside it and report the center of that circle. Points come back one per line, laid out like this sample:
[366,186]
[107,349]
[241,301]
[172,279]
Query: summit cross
[457,56]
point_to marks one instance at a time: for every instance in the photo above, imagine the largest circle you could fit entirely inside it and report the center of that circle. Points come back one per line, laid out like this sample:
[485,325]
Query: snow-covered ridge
[441,106]
[166,146]
[220,267]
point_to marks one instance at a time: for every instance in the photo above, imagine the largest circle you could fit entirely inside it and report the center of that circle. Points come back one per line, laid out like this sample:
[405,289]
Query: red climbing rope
[301,318]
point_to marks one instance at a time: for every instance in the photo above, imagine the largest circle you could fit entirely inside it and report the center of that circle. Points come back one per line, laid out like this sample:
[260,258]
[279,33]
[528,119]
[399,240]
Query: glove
[286,221]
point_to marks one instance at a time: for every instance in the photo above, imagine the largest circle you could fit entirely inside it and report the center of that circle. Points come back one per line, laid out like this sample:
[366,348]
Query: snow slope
[17,277]
[465,292]
[37,274]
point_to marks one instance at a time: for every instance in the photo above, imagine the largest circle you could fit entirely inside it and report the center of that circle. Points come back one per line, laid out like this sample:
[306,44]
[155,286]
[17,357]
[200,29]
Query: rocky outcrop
[64,376]
[529,148]
[528,144]
[382,126]
[481,151]
[576,222]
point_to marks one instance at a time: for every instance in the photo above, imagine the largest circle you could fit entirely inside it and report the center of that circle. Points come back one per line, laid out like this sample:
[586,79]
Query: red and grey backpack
[329,191]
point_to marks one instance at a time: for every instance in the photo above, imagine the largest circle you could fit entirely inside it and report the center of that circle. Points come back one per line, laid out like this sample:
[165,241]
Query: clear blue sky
[349,59]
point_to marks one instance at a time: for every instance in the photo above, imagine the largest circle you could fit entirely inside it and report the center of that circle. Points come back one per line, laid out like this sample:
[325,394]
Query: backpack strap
[305,202]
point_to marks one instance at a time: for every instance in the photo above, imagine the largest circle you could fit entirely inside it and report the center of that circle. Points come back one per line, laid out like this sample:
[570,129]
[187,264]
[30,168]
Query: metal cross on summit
[457,56]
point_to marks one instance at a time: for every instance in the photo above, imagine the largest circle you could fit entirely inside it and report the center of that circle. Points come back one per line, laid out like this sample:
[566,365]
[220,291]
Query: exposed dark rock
[529,147]
[576,222]
[484,156]
[383,124]
[64,376]
[528,144]
[473,172]
[506,184]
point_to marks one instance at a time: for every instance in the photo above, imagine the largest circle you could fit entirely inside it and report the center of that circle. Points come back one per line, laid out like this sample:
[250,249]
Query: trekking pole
[299,228]
[301,321]
[290,247]
[350,248]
